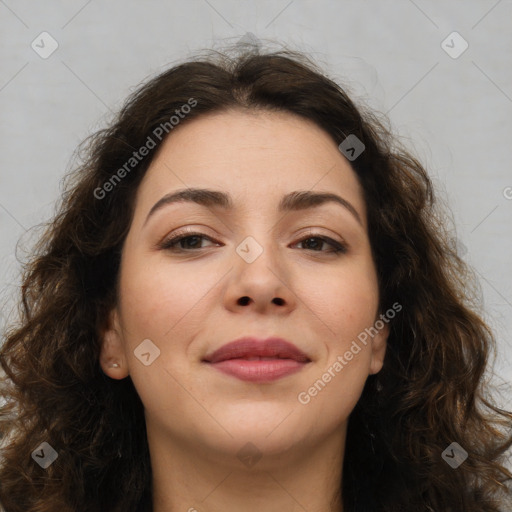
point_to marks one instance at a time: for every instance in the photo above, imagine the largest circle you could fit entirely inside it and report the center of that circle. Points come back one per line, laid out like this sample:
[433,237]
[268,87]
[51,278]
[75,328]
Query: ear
[379,344]
[112,348]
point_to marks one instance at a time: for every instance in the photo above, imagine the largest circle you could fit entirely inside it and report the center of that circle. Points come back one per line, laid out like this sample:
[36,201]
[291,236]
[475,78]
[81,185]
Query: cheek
[348,306]
[343,304]
[160,303]
[166,304]
[155,298]
[332,395]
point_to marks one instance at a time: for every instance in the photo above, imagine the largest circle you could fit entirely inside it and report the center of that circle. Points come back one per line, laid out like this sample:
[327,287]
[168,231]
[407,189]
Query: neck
[192,478]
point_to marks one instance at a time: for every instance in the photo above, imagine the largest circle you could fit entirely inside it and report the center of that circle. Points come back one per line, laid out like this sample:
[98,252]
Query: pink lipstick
[257,360]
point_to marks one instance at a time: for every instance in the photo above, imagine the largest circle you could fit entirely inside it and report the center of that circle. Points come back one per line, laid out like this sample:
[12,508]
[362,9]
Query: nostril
[243,301]
[279,301]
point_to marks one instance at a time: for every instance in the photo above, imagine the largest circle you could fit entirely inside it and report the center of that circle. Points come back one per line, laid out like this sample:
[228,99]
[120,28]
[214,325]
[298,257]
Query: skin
[188,305]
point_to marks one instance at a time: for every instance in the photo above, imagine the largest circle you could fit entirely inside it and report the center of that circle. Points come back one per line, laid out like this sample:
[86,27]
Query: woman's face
[255,270]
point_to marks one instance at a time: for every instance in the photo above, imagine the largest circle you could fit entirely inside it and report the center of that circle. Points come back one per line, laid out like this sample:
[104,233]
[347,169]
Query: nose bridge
[258,253]
[258,244]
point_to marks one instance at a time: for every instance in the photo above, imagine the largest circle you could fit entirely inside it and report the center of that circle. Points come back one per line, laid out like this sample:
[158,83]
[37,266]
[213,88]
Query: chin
[257,444]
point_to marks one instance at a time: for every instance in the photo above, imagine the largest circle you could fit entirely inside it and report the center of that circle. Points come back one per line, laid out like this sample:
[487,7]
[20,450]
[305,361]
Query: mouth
[257,360]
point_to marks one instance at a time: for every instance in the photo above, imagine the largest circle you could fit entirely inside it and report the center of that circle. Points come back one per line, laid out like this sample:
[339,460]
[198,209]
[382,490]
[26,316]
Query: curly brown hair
[432,390]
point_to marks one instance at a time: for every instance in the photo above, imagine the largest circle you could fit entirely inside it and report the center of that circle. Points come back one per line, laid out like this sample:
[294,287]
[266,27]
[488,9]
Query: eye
[320,240]
[190,242]
[194,239]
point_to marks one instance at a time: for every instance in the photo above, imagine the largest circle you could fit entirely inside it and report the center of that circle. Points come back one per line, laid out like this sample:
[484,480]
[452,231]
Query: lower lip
[263,370]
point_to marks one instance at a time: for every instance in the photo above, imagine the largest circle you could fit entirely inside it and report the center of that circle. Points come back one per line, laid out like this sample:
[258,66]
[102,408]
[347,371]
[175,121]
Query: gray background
[454,113]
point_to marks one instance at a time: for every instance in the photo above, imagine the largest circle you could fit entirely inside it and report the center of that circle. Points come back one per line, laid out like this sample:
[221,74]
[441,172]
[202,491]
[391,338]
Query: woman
[249,301]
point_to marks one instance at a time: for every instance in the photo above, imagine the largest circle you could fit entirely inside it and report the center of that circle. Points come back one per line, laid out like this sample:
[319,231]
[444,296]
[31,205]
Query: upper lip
[253,347]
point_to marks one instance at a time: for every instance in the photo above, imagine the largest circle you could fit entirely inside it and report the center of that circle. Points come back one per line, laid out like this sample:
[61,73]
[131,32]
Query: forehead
[260,155]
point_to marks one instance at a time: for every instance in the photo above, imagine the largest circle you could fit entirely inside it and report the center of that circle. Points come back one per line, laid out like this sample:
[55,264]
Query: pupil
[315,242]
[192,238]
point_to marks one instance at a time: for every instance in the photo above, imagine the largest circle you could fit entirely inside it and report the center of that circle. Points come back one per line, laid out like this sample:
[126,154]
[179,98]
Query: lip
[258,360]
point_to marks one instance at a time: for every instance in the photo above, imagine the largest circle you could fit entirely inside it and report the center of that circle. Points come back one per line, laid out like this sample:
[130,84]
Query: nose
[262,284]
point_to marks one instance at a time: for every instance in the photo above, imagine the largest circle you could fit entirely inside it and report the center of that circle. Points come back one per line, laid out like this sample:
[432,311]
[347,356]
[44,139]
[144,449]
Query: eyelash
[170,243]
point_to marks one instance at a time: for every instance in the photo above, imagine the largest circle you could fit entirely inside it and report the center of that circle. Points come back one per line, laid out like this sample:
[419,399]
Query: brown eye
[192,241]
[319,240]
[186,242]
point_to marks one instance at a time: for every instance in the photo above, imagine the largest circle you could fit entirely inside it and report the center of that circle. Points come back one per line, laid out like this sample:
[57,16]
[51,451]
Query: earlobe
[112,357]
[379,345]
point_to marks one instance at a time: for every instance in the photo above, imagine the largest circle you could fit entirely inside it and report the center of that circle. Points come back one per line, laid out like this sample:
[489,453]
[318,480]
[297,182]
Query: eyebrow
[294,201]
